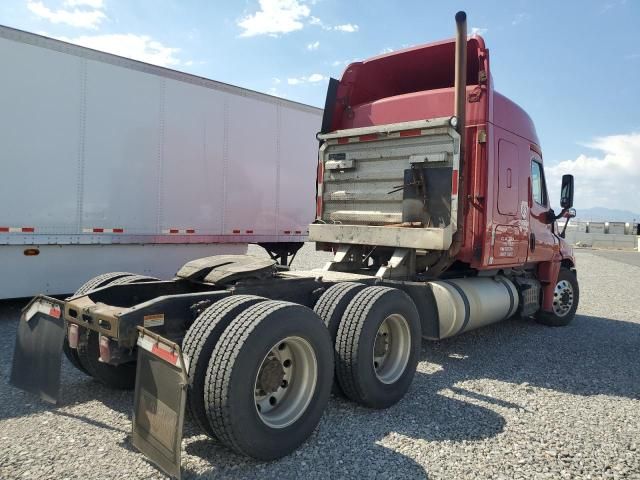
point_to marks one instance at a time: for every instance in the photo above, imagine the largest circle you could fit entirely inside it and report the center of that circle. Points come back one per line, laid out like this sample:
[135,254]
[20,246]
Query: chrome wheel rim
[391,348]
[285,382]
[562,298]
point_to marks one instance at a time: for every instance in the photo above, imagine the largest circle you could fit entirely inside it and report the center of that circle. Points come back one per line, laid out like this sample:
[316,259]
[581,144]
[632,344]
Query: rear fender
[38,351]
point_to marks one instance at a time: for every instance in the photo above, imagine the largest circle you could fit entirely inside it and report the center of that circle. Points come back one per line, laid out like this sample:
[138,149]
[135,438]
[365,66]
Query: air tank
[468,303]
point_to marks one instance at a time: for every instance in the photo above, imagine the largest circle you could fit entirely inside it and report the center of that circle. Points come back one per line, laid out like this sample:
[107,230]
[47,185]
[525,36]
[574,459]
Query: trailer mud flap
[38,352]
[159,401]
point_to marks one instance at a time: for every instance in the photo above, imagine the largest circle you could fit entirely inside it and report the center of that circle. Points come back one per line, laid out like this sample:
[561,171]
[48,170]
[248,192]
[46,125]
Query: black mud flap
[159,401]
[38,352]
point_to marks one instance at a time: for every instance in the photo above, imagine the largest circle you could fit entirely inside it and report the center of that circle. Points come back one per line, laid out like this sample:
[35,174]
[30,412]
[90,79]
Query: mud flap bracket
[159,401]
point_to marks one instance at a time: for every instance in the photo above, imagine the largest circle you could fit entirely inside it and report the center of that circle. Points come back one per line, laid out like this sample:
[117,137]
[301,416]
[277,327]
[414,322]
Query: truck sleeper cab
[439,221]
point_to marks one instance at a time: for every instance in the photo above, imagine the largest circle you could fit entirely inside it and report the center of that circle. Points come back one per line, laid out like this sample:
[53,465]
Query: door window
[538,188]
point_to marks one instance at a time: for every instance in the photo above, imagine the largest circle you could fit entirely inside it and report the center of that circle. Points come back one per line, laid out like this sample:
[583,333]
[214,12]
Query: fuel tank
[468,303]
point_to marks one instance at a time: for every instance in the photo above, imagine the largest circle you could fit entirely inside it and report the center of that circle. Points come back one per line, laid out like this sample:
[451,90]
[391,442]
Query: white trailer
[112,164]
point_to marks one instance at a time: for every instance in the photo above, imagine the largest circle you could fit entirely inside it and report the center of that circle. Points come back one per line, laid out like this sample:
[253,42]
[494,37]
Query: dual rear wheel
[262,371]
[262,379]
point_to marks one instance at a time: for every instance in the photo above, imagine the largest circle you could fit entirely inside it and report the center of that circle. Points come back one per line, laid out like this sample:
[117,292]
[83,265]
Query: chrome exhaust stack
[460,85]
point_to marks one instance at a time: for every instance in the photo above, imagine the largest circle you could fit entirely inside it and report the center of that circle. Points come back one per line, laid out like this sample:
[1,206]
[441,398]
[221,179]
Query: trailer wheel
[331,306]
[269,379]
[565,301]
[96,282]
[198,344]
[378,344]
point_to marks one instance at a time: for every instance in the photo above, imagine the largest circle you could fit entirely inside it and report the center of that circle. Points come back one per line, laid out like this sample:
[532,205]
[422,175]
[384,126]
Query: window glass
[537,184]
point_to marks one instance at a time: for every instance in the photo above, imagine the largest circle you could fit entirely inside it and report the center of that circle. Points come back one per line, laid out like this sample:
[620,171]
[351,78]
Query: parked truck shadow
[592,356]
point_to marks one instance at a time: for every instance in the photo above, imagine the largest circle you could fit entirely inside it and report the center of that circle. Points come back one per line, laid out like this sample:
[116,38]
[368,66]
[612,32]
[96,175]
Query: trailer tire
[273,350]
[198,345]
[330,307]
[96,282]
[565,301]
[375,315]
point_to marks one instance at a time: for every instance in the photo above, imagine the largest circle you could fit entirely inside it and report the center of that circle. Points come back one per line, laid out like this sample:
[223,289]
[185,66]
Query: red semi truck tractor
[430,193]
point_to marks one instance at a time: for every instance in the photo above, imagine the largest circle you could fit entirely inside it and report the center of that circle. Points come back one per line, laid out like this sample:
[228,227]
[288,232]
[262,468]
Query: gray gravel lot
[514,400]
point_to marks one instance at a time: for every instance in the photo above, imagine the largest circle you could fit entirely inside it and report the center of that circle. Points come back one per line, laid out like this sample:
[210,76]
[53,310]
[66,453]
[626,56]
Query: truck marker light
[55,312]
[236,231]
[72,335]
[344,140]
[31,252]
[248,231]
[287,232]
[105,349]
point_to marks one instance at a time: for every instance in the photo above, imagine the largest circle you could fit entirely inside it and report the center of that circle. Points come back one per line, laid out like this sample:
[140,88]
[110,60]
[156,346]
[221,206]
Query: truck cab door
[542,241]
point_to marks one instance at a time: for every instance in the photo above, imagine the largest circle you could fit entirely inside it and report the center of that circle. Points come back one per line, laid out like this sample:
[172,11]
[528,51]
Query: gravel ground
[514,400]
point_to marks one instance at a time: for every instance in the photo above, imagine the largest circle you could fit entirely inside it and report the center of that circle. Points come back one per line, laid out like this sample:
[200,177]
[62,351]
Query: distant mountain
[601,214]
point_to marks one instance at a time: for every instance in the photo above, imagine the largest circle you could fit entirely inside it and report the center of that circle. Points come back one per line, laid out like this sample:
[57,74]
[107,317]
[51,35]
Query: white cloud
[84,3]
[274,17]
[313,46]
[608,179]
[313,78]
[478,31]
[347,27]
[386,50]
[76,17]
[276,80]
[138,47]
[519,18]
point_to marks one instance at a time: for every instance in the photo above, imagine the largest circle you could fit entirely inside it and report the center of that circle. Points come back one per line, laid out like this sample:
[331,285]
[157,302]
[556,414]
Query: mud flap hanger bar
[159,401]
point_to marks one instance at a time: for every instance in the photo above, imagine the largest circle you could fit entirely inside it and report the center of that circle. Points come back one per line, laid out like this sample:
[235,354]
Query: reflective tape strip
[17,229]
[414,132]
[45,307]
[178,231]
[102,230]
[454,183]
[161,350]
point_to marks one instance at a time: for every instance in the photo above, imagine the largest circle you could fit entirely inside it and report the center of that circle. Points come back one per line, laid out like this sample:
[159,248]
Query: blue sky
[574,66]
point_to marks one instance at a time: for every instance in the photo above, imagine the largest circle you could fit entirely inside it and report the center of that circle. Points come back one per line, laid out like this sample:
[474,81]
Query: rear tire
[330,307]
[248,371]
[95,282]
[119,377]
[565,301]
[198,345]
[378,345]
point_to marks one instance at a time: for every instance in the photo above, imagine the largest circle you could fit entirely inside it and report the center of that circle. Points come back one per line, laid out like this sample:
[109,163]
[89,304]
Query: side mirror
[566,192]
